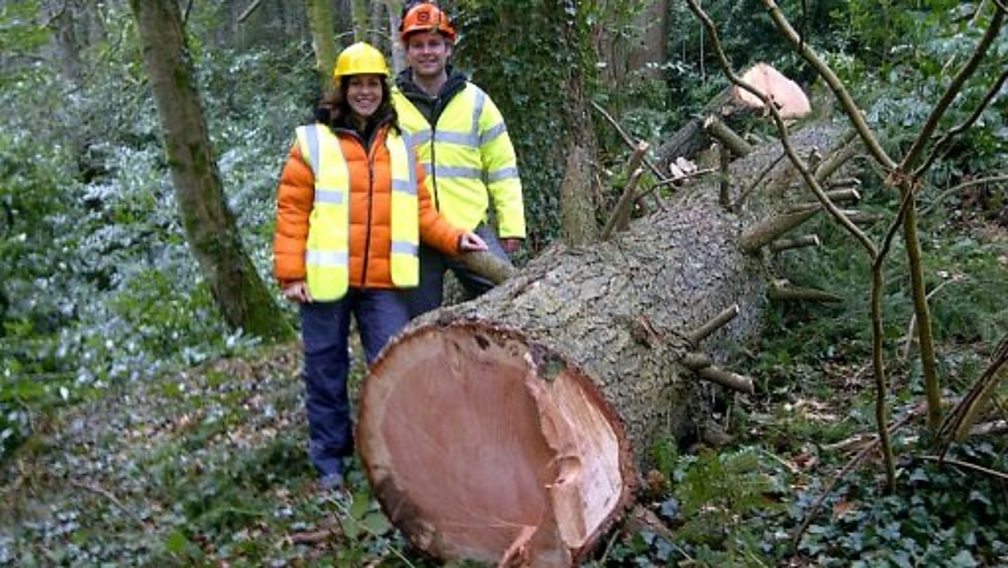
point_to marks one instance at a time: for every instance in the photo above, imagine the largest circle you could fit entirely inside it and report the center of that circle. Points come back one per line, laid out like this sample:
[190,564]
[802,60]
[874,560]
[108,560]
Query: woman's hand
[470,241]
[297,292]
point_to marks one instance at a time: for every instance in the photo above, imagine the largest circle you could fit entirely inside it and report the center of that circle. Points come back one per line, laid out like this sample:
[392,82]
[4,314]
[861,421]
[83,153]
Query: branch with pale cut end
[783,290]
[701,364]
[847,195]
[715,323]
[837,157]
[769,230]
[796,242]
[727,136]
[487,265]
[862,218]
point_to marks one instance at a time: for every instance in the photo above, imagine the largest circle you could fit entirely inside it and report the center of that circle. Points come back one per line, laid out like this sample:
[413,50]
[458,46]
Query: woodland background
[138,426]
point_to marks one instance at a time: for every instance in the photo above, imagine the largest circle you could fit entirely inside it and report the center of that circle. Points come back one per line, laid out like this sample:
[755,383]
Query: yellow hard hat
[359,59]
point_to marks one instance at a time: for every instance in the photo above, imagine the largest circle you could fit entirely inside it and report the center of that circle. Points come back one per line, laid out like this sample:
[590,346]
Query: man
[464,145]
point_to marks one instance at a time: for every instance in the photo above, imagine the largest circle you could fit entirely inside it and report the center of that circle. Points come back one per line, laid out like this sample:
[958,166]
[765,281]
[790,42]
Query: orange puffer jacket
[370,214]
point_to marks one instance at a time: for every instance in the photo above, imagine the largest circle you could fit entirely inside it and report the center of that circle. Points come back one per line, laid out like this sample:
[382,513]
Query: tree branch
[951,92]
[946,140]
[846,101]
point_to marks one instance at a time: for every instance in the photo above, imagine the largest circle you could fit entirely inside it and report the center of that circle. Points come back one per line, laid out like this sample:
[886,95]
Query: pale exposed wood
[515,425]
[791,101]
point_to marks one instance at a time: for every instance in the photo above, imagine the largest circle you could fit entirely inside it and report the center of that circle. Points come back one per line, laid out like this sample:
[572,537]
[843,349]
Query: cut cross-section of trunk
[513,428]
[533,461]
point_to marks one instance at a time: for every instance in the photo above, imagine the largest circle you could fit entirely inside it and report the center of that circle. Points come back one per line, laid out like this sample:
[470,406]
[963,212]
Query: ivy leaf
[964,559]
[376,523]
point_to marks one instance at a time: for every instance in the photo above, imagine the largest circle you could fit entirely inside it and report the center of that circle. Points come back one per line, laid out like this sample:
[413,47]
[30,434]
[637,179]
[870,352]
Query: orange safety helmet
[426,17]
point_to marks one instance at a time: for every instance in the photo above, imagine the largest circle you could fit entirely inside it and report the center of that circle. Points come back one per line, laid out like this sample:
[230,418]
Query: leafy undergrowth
[206,467]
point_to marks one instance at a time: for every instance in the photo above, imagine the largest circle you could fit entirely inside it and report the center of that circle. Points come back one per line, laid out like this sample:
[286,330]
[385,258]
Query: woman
[352,207]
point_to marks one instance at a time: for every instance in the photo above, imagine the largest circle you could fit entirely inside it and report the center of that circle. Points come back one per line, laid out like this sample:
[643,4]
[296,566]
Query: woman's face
[364,94]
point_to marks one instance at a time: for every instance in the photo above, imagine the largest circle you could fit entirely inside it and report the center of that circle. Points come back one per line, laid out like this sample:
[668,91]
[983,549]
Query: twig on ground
[853,463]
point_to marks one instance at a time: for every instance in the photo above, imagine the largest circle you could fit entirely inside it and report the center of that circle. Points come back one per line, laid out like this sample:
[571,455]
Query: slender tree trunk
[208,223]
[925,339]
[577,208]
[63,24]
[652,46]
[361,16]
[577,205]
[320,21]
[394,9]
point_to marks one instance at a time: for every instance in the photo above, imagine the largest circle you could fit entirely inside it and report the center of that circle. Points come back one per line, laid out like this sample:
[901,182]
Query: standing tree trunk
[577,205]
[320,21]
[513,428]
[208,223]
[361,17]
[394,8]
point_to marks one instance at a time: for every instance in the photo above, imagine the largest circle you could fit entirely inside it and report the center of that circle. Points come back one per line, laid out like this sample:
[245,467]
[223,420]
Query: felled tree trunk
[513,428]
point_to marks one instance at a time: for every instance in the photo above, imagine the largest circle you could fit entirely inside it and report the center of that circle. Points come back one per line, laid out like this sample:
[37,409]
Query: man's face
[427,53]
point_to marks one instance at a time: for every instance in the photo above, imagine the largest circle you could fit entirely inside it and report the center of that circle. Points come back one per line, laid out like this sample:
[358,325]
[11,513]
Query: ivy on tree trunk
[207,221]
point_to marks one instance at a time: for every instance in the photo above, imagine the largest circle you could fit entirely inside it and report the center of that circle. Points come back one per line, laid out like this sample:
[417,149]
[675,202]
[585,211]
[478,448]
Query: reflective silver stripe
[400,247]
[327,195]
[326,257]
[477,111]
[419,138]
[457,172]
[493,133]
[404,185]
[504,173]
[409,140]
[311,134]
[463,138]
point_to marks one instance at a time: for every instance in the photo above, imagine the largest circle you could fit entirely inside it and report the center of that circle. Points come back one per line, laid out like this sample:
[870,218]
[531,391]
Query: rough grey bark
[609,322]
[208,223]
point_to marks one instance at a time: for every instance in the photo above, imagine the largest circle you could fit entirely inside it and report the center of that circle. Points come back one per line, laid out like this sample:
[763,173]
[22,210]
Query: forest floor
[207,466]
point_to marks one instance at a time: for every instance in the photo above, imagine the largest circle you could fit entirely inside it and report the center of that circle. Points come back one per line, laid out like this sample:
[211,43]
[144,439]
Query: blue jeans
[430,293]
[325,330]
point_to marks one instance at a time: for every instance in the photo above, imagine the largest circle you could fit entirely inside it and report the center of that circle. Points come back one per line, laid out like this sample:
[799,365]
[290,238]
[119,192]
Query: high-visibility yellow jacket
[469,159]
[351,216]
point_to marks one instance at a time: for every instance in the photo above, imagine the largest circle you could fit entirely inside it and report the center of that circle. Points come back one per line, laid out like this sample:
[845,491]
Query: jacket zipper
[370,206]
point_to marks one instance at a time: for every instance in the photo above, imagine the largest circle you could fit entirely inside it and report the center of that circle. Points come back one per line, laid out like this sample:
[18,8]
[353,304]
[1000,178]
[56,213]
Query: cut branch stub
[796,242]
[727,136]
[783,290]
[487,265]
[702,332]
[765,232]
[702,365]
[531,447]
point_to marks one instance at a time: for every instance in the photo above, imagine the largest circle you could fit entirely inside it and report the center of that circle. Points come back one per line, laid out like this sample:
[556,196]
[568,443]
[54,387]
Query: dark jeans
[325,329]
[430,293]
